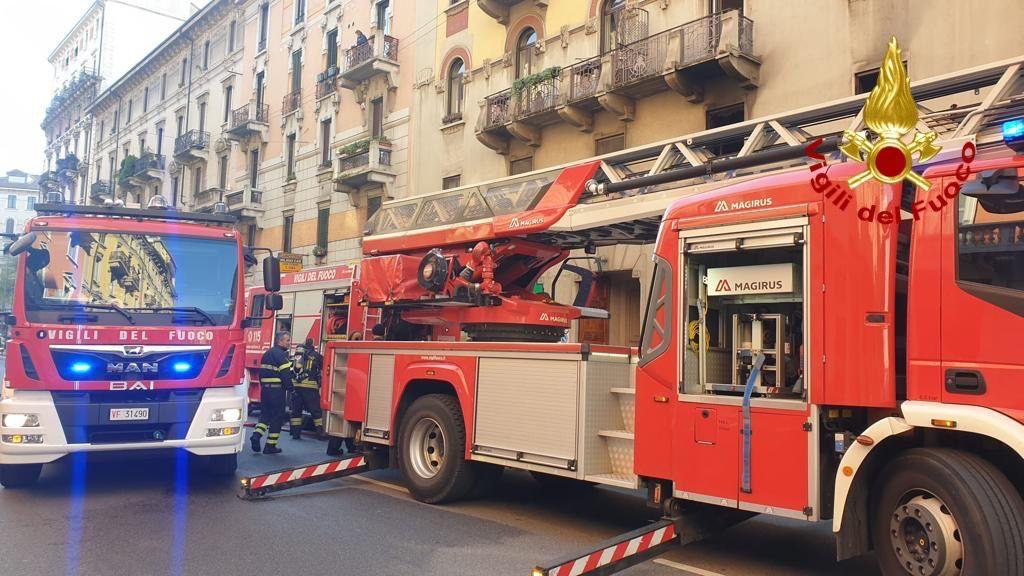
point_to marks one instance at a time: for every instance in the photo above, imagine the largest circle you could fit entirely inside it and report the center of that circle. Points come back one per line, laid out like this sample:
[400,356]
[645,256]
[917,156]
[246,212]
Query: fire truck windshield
[112,278]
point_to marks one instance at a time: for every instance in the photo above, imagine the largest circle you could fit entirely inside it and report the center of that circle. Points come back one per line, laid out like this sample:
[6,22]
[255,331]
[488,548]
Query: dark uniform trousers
[275,379]
[306,393]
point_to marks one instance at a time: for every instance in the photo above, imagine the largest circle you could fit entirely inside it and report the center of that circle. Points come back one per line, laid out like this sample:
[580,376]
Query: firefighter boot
[295,427]
[257,435]
[272,447]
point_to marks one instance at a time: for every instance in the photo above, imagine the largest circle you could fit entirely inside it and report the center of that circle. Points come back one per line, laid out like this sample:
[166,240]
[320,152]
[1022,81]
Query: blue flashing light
[181,367]
[1013,129]
[81,367]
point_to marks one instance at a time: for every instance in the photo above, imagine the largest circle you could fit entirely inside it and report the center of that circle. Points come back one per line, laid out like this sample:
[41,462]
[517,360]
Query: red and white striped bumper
[618,553]
[278,480]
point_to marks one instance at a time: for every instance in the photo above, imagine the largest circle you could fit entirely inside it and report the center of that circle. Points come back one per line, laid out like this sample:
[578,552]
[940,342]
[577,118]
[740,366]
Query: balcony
[499,9]
[249,121]
[364,61]
[148,167]
[247,203]
[99,190]
[292,102]
[582,85]
[204,200]
[362,163]
[521,111]
[67,166]
[192,145]
[327,83]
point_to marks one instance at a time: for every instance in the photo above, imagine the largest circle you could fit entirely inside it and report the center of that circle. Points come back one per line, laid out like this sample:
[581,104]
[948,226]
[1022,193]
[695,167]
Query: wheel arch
[989,434]
[441,380]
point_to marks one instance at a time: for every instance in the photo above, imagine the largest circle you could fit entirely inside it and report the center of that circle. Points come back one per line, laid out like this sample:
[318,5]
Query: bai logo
[724,206]
[123,386]
[517,223]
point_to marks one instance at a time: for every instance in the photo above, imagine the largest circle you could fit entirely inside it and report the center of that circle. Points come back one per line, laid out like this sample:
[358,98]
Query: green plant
[382,139]
[127,168]
[354,148]
[527,82]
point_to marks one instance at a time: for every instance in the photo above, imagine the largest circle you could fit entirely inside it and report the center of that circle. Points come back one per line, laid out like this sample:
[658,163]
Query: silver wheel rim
[925,536]
[427,448]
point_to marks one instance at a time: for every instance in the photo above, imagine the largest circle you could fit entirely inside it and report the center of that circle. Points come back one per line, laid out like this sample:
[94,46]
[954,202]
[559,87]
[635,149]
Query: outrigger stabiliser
[618,553]
[256,487]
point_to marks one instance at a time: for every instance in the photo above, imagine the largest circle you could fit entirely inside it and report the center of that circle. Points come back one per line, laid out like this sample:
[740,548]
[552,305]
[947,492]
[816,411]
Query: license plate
[129,414]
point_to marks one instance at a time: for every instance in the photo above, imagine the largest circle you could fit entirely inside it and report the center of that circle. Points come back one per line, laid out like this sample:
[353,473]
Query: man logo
[723,286]
[722,206]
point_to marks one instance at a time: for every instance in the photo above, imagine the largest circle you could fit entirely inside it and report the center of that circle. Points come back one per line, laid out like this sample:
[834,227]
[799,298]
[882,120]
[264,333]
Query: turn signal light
[22,438]
[943,423]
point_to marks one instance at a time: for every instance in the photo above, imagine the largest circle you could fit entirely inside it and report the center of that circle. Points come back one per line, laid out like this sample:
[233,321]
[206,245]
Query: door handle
[965,382]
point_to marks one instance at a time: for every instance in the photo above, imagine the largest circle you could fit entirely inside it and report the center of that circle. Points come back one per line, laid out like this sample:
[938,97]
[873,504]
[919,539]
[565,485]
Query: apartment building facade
[322,125]
[505,87]
[19,192]
[108,39]
[161,126]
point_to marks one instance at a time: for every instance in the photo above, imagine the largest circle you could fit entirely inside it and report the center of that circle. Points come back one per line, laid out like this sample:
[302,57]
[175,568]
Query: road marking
[687,568]
[379,483]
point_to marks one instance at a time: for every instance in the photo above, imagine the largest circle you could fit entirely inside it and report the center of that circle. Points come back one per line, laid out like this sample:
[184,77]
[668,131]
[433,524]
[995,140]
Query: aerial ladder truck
[817,344]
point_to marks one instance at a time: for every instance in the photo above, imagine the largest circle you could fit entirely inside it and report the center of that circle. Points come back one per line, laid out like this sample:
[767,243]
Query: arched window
[610,14]
[456,72]
[9,226]
[524,52]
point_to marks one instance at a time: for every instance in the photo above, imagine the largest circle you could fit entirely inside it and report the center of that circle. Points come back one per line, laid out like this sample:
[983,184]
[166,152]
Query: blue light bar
[1013,129]
[180,367]
[81,367]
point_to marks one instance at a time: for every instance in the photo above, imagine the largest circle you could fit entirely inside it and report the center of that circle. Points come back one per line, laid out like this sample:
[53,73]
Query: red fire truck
[123,337]
[305,295]
[802,355]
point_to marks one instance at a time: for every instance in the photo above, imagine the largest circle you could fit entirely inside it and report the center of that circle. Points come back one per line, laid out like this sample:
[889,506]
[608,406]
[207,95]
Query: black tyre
[335,446]
[942,512]
[431,447]
[19,475]
[222,464]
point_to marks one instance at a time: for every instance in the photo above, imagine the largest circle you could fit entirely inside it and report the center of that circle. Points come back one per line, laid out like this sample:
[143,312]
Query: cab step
[256,487]
[617,554]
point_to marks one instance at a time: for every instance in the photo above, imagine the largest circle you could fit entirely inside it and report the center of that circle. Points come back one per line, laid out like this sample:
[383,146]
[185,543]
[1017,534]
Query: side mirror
[273,302]
[22,244]
[998,191]
[272,276]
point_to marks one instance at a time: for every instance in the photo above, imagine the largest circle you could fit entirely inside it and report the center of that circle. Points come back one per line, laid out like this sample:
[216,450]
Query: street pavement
[162,515]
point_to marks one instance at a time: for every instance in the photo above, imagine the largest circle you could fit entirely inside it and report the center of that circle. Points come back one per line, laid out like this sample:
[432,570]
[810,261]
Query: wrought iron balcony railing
[149,161]
[583,79]
[191,140]
[497,110]
[361,53]
[250,113]
[291,102]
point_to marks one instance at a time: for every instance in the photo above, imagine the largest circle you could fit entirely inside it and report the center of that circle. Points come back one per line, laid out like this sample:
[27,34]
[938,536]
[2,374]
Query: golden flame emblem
[891,113]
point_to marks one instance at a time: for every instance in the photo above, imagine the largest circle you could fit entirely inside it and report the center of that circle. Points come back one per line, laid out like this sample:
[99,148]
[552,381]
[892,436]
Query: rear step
[617,553]
[259,486]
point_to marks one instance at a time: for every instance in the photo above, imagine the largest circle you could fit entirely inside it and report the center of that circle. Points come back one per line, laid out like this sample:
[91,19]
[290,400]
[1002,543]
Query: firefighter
[306,393]
[275,381]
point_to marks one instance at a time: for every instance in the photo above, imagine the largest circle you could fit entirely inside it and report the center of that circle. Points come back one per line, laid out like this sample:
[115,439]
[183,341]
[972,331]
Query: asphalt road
[162,515]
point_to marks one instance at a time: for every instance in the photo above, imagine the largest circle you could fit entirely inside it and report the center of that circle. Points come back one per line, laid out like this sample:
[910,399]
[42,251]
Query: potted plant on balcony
[354,148]
[319,251]
[382,141]
[127,169]
[535,99]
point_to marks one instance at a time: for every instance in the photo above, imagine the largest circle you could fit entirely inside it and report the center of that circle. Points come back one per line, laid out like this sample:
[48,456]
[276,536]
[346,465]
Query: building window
[259,90]
[290,156]
[103,129]
[222,172]
[377,118]
[9,226]
[264,17]
[142,145]
[145,100]
[206,55]
[174,191]
[197,180]
[227,102]
[297,70]
[609,144]
[184,72]
[384,16]
[521,166]
[864,82]
[325,142]
[610,15]
[372,205]
[202,116]
[163,86]
[232,26]
[456,72]
[725,116]
[450,182]
[254,167]
[12,201]
[286,233]
[129,121]
[31,202]
[159,140]
[323,221]
[180,125]
[524,52]
[332,48]
[250,235]
[300,11]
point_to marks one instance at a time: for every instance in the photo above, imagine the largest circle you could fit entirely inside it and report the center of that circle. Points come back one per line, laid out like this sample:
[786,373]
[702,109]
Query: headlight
[21,421]
[226,415]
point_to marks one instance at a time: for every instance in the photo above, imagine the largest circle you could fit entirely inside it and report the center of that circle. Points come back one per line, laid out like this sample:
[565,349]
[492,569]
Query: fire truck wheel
[943,512]
[19,475]
[431,447]
[222,464]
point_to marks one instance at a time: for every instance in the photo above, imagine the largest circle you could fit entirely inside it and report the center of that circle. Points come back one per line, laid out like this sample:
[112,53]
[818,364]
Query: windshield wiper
[112,307]
[192,309]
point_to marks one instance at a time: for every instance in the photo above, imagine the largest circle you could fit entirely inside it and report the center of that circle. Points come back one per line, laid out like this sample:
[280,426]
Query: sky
[29,30]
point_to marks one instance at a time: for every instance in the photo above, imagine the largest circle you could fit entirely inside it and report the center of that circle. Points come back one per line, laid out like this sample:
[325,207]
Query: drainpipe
[188,114]
[117,149]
